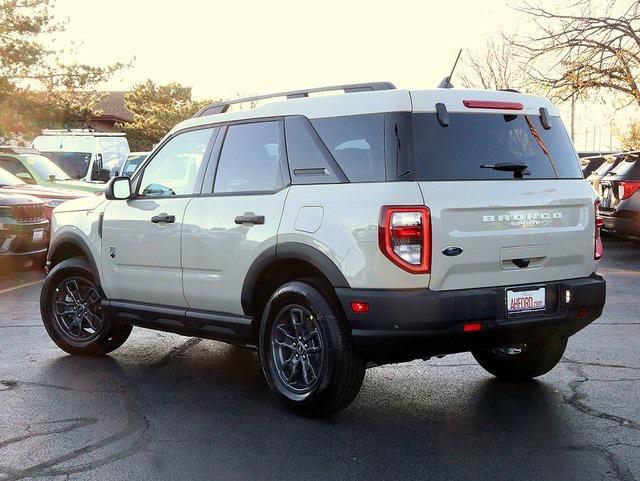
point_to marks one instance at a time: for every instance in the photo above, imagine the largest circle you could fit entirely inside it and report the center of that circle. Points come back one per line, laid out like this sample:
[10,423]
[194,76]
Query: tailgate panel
[511,232]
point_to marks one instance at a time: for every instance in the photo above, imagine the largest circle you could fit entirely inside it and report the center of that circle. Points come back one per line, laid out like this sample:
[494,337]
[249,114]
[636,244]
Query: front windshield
[8,179]
[45,167]
[75,164]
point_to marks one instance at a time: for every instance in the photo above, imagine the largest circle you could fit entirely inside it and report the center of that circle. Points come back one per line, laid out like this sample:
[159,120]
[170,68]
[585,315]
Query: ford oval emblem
[452,251]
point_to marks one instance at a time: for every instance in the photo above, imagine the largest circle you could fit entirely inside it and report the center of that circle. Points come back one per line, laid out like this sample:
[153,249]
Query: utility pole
[573,117]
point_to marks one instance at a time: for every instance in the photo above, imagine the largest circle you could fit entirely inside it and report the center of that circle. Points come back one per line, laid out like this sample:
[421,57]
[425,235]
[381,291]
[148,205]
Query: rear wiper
[517,169]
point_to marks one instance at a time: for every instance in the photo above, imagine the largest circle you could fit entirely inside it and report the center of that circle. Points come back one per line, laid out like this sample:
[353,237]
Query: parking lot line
[20,286]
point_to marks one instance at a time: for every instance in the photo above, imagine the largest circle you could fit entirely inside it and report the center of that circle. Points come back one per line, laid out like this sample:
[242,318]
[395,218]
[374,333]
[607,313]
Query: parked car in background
[83,153]
[30,166]
[24,230]
[620,205]
[133,161]
[590,161]
[610,161]
[51,197]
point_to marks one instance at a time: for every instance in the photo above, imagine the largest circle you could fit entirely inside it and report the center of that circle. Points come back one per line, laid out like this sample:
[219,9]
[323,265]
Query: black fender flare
[77,240]
[289,251]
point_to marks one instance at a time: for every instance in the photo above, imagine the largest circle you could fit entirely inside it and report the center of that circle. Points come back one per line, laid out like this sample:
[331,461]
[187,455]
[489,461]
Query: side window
[251,158]
[307,160]
[174,169]
[357,144]
[15,167]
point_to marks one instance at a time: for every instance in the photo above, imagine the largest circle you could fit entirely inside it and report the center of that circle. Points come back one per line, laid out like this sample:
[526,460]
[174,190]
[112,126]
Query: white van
[83,153]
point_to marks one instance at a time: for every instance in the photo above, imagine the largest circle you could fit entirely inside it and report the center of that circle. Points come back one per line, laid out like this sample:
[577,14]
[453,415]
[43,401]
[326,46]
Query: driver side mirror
[118,188]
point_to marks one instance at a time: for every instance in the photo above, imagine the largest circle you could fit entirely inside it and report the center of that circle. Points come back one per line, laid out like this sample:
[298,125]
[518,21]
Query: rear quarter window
[356,142]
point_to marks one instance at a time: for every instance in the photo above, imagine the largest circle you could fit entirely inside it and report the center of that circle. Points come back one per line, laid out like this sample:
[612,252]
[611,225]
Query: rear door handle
[249,219]
[163,219]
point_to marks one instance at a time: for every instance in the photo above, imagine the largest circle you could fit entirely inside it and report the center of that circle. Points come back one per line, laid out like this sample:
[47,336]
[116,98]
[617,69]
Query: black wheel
[306,351]
[70,304]
[522,361]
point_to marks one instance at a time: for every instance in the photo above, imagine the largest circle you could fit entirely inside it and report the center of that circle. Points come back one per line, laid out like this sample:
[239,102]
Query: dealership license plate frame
[528,289]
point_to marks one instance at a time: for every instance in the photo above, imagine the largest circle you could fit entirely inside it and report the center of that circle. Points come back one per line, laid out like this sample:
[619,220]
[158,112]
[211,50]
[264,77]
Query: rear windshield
[76,164]
[473,145]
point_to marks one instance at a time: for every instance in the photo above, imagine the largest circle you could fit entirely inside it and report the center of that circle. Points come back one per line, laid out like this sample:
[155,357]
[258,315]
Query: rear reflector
[359,307]
[582,313]
[472,327]
[492,104]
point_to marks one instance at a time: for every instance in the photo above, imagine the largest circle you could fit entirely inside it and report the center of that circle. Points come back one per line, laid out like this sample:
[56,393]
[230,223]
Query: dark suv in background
[24,230]
[620,206]
[610,163]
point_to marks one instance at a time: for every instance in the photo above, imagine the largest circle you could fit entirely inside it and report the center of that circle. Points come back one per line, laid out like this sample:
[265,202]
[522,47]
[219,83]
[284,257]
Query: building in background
[113,111]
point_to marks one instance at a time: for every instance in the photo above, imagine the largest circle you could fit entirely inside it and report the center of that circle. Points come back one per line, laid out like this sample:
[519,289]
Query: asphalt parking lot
[170,407]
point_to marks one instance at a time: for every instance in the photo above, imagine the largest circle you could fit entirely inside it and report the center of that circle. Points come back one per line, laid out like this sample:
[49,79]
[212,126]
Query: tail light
[597,250]
[626,189]
[404,237]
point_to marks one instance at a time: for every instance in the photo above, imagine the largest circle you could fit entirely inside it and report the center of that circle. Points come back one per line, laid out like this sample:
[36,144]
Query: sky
[225,48]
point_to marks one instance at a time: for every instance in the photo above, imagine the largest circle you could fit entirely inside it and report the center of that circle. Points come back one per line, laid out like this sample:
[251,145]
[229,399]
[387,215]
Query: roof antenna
[446,82]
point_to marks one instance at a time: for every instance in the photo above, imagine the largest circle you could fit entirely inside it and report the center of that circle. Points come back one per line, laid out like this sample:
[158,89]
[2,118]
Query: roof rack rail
[222,107]
[612,155]
[15,149]
[82,132]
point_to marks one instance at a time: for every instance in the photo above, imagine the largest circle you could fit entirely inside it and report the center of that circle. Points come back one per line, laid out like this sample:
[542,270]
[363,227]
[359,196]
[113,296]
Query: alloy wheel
[297,348]
[77,309]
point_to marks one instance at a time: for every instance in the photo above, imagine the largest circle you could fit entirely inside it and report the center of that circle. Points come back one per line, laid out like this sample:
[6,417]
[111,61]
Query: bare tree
[493,68]
[580,49]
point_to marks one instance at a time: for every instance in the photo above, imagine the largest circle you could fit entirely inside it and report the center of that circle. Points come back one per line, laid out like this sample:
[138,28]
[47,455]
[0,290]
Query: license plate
[38,235]
[526,300]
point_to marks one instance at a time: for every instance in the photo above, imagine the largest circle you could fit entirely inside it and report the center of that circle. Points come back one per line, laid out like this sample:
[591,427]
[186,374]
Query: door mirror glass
[119,188]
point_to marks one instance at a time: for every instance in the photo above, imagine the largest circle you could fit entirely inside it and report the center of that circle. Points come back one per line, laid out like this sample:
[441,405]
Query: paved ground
[174,408]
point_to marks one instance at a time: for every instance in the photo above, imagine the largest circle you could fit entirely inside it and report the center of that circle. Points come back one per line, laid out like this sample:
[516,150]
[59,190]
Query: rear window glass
[471,141]
[356,143]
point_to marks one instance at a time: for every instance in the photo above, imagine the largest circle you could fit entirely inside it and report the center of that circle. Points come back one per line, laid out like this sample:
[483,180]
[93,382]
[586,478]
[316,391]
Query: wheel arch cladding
[68,245]
[293,254]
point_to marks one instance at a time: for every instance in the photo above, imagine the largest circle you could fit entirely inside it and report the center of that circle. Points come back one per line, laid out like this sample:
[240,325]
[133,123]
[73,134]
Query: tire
[331,377]
[534,359]
[95,334]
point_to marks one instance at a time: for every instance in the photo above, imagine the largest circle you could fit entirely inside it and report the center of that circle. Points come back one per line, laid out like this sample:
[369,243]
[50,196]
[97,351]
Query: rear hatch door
[506,193]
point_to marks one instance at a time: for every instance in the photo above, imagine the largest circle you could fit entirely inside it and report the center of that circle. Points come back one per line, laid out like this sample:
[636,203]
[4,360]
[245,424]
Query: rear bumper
[402,325]
[622,222]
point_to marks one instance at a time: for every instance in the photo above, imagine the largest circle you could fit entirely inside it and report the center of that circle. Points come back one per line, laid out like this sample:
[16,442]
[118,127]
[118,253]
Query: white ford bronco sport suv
[338,232]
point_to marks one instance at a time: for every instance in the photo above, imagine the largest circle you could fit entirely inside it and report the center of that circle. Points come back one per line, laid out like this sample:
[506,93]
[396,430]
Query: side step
[187,322]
